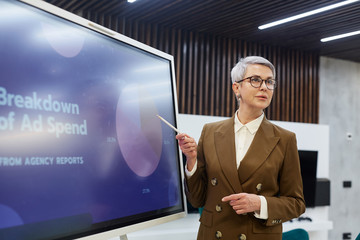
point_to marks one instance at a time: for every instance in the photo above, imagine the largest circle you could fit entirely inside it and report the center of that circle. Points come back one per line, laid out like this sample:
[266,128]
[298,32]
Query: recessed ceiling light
[306,14]
[131,1]
[340,36]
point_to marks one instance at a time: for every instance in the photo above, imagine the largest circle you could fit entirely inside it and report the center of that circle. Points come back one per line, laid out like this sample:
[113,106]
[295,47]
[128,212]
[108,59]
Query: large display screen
[81,148]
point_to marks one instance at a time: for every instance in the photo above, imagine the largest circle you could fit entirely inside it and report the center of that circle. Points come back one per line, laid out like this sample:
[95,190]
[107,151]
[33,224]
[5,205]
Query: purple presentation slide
[79,136]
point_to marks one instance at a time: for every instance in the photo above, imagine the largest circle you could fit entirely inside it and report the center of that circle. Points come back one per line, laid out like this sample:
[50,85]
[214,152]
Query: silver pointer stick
[167,123]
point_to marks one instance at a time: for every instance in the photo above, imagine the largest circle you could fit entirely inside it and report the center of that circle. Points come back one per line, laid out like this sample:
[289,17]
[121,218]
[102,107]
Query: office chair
[296,234]
[201,210]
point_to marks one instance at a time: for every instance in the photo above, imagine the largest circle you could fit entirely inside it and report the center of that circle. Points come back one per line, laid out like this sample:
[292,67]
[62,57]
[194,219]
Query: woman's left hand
[243,202]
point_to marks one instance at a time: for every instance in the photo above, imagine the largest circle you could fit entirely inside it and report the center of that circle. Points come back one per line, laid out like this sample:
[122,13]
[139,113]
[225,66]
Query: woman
[245,171]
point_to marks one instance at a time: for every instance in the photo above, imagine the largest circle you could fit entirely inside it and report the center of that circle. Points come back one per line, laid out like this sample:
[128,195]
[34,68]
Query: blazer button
[258,187]
[276,221]
[218,208]
[218,235]
[242,237]
[214,181]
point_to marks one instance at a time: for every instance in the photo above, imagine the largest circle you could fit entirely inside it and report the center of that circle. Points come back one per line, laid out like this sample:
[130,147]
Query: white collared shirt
[244,135]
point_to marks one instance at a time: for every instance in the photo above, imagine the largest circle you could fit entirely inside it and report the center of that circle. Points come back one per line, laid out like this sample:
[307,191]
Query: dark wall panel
[203,63]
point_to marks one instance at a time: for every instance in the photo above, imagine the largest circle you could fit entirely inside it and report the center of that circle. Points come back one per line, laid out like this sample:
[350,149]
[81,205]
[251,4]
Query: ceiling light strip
[306,14]
[340,36]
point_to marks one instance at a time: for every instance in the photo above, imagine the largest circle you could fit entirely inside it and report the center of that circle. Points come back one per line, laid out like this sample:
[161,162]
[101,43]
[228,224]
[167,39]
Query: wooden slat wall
[203,63]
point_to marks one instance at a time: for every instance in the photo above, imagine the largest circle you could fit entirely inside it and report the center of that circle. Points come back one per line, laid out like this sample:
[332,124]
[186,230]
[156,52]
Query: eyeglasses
[256,82]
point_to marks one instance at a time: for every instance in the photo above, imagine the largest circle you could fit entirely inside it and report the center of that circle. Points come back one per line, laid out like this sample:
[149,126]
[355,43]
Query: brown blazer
[270,168]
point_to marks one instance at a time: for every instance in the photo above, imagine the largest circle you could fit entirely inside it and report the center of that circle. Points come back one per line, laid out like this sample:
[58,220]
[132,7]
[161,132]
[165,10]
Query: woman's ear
[236,90]
[235,87]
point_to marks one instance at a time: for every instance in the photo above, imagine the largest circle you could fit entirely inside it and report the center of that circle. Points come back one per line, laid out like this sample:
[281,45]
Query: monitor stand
[123,237]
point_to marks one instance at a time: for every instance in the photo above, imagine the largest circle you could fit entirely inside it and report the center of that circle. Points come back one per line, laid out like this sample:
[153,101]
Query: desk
[180,229]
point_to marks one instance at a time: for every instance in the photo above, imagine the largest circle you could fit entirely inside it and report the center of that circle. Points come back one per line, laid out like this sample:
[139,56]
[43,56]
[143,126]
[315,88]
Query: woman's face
[250,97]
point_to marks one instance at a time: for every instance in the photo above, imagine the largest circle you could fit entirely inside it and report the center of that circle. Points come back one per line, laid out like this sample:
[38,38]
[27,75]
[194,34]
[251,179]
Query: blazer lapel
[253,159]
[225,149]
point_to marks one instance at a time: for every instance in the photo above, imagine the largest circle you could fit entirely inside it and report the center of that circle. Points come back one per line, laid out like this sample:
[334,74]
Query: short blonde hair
[239,70]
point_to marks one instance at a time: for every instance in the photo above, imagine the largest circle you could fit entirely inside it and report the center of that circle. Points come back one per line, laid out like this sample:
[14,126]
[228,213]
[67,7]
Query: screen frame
[106,234]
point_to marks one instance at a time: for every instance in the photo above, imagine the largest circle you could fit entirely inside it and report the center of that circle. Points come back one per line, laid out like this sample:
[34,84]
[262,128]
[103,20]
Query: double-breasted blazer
[270,168]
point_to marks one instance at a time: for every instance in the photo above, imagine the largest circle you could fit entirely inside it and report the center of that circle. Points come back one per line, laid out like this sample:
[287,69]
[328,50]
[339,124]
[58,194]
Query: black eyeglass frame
[262,80]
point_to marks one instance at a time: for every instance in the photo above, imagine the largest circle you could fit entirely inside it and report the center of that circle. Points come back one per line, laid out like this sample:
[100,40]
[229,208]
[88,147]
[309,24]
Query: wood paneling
[240,20]
[203,63]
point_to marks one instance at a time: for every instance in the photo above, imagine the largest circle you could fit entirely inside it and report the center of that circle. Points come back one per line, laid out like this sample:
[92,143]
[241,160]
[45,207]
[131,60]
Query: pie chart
[9,217]
[139,132]
[64,40]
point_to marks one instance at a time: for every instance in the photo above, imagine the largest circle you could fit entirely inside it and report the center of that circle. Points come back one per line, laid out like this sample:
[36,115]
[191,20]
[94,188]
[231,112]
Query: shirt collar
[252,126]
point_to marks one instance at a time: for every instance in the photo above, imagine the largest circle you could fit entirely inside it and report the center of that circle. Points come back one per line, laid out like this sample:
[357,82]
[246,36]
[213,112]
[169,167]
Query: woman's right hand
[189,147]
